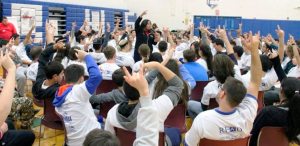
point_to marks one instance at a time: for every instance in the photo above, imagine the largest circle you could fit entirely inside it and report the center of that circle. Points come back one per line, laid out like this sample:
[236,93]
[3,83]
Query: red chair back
[127,137]
[236,142]
[51,119]
[106,86]
[105,107]
[197,92]
[176,118]
[272,136]
[213,103]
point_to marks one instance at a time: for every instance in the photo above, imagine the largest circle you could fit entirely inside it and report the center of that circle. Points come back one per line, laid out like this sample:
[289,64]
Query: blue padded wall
[254,25]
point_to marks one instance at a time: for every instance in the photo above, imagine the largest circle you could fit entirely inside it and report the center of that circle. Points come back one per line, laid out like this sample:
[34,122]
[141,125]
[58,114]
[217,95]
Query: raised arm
[94,74]
[204,34]
[223,36]
[229,48]
[49,33]
[256,67]
[28,35]
[277,66]
[147,119]
[45,58]
[175,84]
[296,54]
[280,34]
[192,32]
[107,34]
[7,93]
[137,25]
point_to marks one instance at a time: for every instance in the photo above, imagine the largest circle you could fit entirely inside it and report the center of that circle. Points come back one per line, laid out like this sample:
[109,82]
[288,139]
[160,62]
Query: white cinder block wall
[173,13]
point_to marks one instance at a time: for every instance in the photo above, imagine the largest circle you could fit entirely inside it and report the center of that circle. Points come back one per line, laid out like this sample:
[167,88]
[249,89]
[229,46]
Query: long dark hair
[208,56]
[196,48]
[162,84]
[144,24]
[223,67]
[291,88]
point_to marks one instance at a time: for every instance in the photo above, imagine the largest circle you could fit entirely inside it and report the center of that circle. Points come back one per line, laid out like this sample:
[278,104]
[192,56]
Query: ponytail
[293,127]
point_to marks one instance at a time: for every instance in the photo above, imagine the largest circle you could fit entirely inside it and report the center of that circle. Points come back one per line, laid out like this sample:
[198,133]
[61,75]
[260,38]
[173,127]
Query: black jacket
[142,38]
[37,90]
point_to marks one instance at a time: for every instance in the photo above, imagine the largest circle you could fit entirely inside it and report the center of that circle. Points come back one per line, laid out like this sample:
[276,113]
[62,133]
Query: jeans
[194,108]
[21,80]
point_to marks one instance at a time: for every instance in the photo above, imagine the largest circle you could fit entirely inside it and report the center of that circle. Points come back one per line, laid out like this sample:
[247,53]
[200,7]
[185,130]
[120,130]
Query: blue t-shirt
[197,71]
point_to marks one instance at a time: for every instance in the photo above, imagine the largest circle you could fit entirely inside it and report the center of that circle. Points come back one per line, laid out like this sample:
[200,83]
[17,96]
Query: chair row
[269,136]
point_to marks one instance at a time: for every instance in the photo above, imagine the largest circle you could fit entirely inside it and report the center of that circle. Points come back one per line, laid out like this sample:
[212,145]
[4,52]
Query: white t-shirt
[124,59]
[217,125]
[212,88]
[294,72]
[136,66]
[245,61]
[32,71]
[78,115]
[99,57]
[21,52]
[155,48]
[268,80]
[70,62]
[163,104]
[203,63]
[107,69]
[179,50]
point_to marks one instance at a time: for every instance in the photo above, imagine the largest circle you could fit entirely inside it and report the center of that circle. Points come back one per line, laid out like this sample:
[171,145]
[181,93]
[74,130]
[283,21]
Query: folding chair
[272,136]
[127,137]
[176,118]
[236,142]
[197,92]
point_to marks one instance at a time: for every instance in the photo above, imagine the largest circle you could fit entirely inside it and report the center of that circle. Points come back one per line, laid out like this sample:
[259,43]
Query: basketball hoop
[212,3]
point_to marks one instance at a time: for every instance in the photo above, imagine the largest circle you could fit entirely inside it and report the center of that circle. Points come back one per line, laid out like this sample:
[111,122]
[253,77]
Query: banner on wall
[95,20]
[27,20]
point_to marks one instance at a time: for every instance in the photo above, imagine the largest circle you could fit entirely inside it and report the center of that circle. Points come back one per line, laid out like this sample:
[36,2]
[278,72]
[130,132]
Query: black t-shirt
[269,116]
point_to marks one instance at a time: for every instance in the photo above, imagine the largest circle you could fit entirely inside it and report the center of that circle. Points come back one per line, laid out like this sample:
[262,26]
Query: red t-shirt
[6,31]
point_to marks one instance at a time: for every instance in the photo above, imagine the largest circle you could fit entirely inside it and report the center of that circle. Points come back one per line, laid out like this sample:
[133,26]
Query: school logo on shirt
[227,129]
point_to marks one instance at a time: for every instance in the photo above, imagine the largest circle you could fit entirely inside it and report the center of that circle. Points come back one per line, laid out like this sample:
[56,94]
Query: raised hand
[222,34]
[6,61]
[144,13]
[254,40]
[279,32]
[239,31]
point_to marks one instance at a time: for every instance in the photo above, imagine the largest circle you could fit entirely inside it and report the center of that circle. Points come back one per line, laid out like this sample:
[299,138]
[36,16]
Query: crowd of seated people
[149,72]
